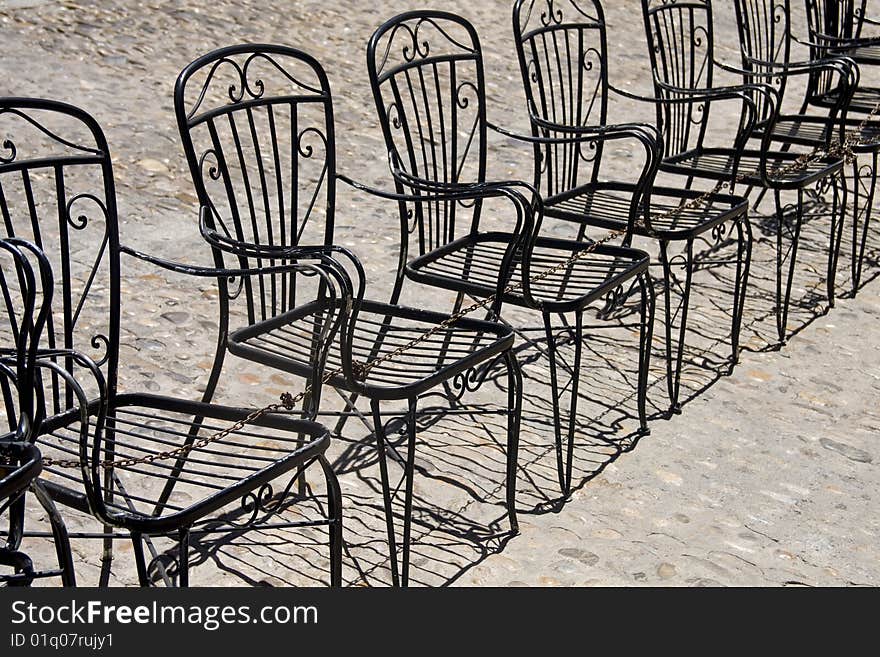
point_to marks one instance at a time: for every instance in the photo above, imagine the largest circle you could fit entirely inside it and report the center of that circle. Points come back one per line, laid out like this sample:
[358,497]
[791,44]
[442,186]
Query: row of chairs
[257,127]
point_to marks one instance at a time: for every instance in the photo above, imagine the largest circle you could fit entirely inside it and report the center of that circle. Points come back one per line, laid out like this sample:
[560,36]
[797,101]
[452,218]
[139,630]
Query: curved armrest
[297,255]
[830,41]
[845,68]
[577,133]
[734,92]
[841,65]
[524,197]
[647,135]
[441,191]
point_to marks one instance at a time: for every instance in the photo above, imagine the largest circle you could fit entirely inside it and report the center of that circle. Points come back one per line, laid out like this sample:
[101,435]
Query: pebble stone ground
[769,477]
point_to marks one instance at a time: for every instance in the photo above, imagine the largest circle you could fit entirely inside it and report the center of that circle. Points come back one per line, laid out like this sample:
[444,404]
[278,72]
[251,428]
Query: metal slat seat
[719,164]
[864,99]
[471,265]
[209,478]
[610,207]
[286,342]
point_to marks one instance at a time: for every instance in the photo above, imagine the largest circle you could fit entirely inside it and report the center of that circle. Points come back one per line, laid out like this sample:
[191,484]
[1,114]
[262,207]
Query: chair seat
[810,131]
[866,53]
[717,164]
[471,264]
[609,206]
[285,342]
[864,99]
[211,477]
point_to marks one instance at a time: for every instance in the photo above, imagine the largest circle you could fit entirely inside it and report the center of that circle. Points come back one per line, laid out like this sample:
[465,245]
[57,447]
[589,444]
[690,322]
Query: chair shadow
[459,515]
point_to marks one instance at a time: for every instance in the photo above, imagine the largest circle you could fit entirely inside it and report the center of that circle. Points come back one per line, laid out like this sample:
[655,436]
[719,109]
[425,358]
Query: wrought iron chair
[149,465]
[681,47]
[563,56]
[426,72]
[256,123]
[835,27]
[765,43]
[24,276]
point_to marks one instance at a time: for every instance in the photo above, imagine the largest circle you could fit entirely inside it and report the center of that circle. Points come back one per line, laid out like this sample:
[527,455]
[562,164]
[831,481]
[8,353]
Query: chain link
[843,150]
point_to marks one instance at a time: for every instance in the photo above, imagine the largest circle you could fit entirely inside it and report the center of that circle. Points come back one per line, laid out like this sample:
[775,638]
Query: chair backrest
[57,191]
[681,48]
[563,56]
[839,19]
[426,72]
[26,286]
[764,28]
[829,21]
[256,123]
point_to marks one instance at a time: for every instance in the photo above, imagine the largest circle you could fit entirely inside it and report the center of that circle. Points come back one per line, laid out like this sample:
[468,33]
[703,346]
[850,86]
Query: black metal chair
[426,72]
[681,47]
[835,27]
[765,38]
[563,56]
[256,123]
[147,464]
[25,277]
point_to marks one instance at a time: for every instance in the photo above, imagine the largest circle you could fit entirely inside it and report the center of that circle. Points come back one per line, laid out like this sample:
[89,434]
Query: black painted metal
[681,48]
[257,126]
[23,284]
[563,56]
[57,163]
[426,72]
[835,31]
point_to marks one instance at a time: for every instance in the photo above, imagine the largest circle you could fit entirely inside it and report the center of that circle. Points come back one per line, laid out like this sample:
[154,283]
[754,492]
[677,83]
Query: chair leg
[743,265]
[866,172]
[183,558]
[334,511]
[59,535]
[514,413]
[646,335]
[564,464]
[675,351]
[838,213]
[140,560]
[399,575]
[783,290]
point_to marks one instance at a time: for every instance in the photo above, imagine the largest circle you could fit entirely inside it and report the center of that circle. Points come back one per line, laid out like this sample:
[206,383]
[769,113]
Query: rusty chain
[843,150]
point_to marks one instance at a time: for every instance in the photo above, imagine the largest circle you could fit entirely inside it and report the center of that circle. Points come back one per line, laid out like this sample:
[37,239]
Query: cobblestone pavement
[769,476]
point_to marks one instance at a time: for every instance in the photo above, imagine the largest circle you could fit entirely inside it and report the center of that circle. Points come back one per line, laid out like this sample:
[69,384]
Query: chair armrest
[523,197]
[841,65]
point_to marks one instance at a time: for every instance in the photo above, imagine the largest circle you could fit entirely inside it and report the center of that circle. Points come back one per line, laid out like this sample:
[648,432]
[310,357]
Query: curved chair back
[681,48]
[426,72]
[256,123]
[563,55]
[57,192]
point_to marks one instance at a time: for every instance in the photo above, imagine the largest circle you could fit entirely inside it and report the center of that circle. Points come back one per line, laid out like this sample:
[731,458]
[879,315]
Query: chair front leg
[59,534]
[864,179]
[646,336]
[838,213]
[399,575]
[514,414]
[675,349]
[743,264]
[183,557]
[783,287]
[334,513]
[564,455]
